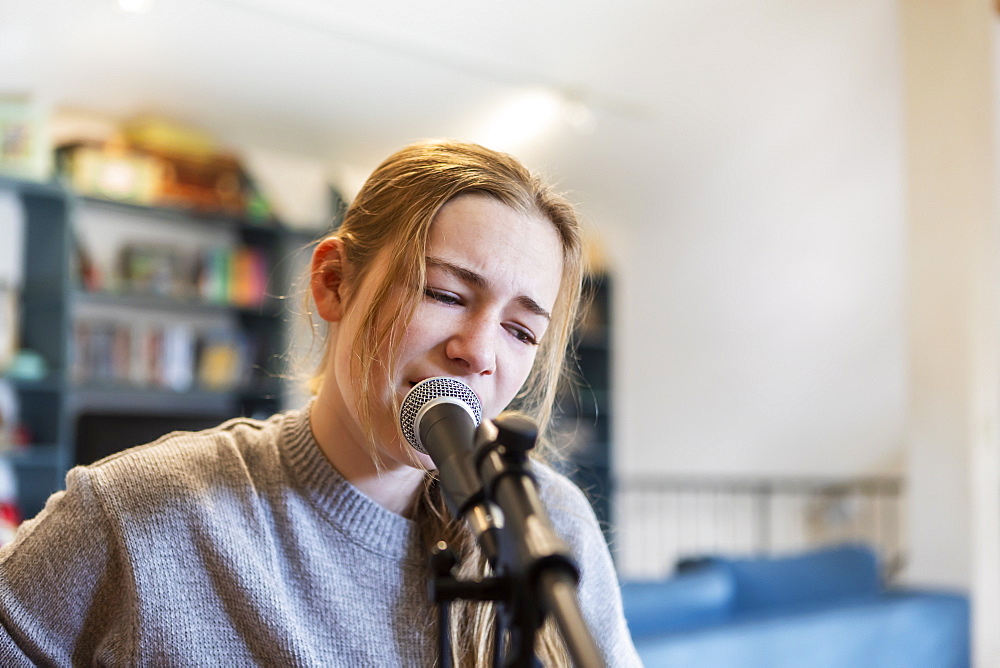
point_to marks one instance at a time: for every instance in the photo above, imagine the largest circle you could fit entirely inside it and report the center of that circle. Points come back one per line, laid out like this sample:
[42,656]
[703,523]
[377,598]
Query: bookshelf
[147,320]
[583,418]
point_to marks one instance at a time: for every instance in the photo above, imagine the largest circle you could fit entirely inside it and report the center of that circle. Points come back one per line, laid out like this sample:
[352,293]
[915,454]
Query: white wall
[761,307]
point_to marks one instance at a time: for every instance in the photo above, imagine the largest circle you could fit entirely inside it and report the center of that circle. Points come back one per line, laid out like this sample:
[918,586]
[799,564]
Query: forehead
[510,248]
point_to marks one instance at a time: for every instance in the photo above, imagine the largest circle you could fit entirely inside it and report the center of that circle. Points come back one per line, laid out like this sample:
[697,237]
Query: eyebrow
[480,282]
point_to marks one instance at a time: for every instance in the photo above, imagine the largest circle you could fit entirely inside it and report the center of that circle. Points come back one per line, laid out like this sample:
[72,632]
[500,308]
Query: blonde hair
[392,214]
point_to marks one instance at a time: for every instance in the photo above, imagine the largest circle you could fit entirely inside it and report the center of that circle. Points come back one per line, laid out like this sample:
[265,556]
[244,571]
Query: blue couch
[821,609]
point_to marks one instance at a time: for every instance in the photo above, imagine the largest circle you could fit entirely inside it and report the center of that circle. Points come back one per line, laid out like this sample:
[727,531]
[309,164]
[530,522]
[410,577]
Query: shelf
[149,301]
[25,186]
[155,302]
[260,233]
[184,216]
[272,307]
[50,384]
[151,401]
[261,391]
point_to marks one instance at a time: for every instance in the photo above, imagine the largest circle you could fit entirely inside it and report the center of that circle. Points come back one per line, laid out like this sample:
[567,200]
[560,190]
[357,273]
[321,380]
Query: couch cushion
[844,572]
[693,599]
[913,629]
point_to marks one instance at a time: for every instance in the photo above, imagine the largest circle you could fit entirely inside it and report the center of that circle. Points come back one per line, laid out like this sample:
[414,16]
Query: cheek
[519,360]
[414,337]
[408,336]
[428,328]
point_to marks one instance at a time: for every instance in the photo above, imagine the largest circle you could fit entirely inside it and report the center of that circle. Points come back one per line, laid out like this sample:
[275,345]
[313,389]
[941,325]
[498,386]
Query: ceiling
[664,89]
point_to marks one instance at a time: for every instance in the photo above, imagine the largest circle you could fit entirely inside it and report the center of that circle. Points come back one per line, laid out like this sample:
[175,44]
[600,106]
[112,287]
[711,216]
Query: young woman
[304,539]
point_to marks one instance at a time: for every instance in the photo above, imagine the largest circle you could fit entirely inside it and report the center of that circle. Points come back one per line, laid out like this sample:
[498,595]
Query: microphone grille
[428,390]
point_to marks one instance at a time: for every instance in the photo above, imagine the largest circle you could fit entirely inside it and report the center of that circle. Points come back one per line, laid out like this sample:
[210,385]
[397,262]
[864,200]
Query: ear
[327,279]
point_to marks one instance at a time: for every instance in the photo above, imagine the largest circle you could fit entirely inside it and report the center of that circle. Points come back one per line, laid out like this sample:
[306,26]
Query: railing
[662,520]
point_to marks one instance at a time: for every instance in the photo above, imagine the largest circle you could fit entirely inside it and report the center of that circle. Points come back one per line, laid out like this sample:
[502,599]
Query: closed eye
[521,334]
[441,296]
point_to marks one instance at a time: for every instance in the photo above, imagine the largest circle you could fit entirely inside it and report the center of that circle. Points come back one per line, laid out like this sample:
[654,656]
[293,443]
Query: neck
[343,443]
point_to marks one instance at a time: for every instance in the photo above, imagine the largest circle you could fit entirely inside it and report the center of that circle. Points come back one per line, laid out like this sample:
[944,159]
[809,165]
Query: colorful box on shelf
[111,173]
[25,149]
[205,184]
[220,275]
[233,276]
[156,269]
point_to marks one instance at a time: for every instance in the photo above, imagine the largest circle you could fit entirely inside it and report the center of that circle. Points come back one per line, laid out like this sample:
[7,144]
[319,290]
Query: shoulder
[181,466]
[574,520]
[570,511]
[178,452]
[559,493]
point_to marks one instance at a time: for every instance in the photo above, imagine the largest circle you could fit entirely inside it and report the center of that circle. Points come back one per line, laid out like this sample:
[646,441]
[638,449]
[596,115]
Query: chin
[426,462]
[403,453]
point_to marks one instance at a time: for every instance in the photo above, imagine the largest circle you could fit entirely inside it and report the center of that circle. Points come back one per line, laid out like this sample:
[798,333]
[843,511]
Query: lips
[420,379]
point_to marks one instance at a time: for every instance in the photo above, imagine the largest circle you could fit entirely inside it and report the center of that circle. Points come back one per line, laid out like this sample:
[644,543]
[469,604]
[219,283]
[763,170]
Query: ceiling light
[521,120]
[529,115]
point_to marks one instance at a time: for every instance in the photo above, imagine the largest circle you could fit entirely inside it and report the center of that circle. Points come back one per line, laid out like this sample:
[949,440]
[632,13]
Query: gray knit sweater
[241,545]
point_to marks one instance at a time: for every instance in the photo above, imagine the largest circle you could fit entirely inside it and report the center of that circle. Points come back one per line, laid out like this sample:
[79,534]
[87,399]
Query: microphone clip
[511,437]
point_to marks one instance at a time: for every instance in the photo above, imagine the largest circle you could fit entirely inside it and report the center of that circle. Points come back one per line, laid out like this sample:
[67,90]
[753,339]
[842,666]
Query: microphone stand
[535,572]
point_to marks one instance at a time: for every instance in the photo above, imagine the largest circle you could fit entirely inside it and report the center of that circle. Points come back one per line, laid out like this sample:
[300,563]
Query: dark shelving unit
[583,417]
[66,418]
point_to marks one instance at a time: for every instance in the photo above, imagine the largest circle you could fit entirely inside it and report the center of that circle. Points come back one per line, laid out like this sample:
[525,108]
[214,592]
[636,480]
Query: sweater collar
[351,512]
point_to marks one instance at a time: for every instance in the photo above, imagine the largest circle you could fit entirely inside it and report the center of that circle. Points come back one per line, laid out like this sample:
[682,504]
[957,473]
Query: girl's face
[493,275]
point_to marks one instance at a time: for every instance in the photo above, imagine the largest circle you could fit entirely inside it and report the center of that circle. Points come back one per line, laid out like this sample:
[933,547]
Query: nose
[473,346]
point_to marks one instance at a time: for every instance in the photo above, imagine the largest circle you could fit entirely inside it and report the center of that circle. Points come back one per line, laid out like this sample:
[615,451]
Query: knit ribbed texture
[241,545]
[349,511]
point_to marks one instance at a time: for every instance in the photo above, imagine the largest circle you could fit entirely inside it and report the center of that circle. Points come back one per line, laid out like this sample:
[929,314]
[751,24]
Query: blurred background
[792,222]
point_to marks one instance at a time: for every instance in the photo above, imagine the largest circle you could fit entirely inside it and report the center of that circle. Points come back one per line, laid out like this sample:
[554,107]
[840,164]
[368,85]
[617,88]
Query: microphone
[438,417]
[429,394]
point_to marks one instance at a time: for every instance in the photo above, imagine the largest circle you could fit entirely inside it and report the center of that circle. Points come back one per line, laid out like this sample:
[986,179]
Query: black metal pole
[559,592]
[443,562]
[530,547]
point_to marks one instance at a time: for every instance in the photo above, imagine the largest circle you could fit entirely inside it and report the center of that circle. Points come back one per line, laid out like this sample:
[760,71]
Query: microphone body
[438,417]
[447,431]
